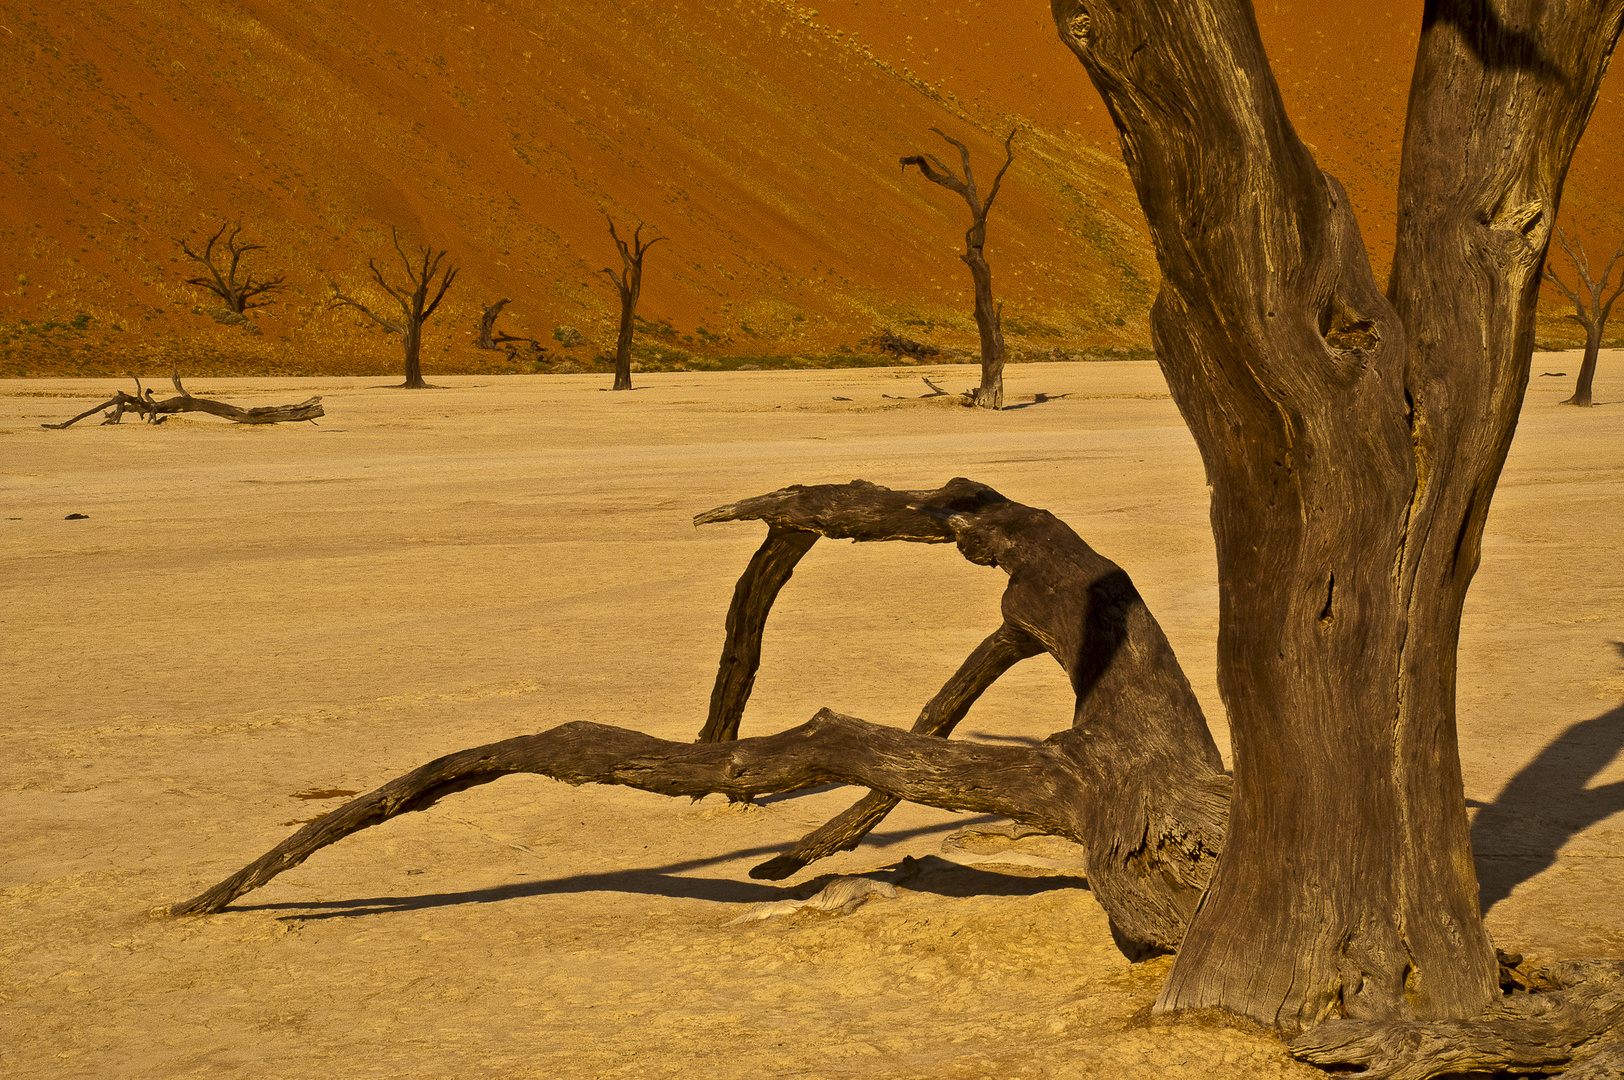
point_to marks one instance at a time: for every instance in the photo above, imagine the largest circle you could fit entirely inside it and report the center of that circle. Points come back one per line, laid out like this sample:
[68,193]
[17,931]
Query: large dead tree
[238,296]
[1136,779]
[1591,311]
[154,410]
[989,316]
[414,302]
[629,283]
[1352,441]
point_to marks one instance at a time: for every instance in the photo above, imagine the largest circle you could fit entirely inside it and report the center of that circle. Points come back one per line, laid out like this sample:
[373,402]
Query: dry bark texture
[989,316]
[1570,1024]
[414,302]
[1136,780]
[154,411]
[1345,434]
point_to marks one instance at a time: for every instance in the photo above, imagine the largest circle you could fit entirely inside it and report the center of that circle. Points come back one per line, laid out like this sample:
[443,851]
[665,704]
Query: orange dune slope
[760,138]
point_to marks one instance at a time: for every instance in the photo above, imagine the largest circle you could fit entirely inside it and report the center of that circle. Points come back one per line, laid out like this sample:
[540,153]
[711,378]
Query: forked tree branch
[1136,780]
[1595,310]
[224,285]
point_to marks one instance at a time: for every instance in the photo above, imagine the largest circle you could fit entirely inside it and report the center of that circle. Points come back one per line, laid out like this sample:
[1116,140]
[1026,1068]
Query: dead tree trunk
[238,296]
[415,306]
[154,411]
[1136,779]
[1352,443]
[1590,311]
[629,282]
[487,323]
[989,316]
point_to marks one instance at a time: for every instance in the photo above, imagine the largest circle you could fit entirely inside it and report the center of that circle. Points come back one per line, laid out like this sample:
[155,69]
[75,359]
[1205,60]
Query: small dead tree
[630,283]
[1590,311]
[238,296]
[989,317]
[415,306]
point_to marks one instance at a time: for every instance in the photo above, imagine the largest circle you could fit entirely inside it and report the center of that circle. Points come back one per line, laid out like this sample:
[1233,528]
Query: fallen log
[154,411]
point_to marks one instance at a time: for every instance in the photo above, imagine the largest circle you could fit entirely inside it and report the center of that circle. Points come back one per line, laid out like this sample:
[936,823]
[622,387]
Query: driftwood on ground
[154,411]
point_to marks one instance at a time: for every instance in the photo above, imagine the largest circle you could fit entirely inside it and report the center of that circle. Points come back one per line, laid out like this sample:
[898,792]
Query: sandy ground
[252,615]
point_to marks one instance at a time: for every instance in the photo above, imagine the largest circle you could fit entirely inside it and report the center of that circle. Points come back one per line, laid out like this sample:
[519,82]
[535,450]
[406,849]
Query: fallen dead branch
[935,391]
[895,345]
[153,411]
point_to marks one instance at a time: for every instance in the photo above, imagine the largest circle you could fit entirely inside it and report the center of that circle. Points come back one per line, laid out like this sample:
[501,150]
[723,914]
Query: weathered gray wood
[154,411]
[989,316]
[1569,1025]
[1062,598]
[1136,780]
[1003,649]
[770,568]
[1344,435]
[1047,787]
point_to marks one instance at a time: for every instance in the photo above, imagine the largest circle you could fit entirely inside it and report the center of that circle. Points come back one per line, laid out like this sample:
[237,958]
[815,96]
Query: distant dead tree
[630,283]
[236,295]
[489,339]
[487,323]
[1592,316]
[415,306]
[989,320]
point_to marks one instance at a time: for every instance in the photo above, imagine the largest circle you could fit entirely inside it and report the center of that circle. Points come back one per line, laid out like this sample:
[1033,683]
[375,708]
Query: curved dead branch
[1136,780]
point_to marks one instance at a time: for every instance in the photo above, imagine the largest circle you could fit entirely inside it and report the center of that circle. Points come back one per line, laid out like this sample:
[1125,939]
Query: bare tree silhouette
[989,317]
[415,306]
[238,296]
[630,284]
[1590,311]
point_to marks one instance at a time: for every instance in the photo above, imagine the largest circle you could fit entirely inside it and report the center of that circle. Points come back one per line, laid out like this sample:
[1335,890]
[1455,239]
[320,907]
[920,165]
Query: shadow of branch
[1518,835]
[941,877]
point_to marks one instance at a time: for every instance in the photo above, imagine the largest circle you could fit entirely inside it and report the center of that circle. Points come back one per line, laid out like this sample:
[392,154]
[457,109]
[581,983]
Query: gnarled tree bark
[1352,442]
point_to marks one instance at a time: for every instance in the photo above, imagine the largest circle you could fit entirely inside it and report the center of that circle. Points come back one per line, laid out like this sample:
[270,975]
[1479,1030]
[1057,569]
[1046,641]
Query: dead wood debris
[895,345]
[153,411]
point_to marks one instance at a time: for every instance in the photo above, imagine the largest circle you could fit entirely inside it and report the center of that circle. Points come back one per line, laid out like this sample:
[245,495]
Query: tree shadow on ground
[1548,802]
[929,874]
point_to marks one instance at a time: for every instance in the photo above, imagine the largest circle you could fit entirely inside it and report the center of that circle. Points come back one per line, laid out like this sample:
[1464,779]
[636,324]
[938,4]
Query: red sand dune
[760,138]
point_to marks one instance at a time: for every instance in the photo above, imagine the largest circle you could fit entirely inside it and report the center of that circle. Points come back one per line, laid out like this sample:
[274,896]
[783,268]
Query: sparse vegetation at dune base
[85,344]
